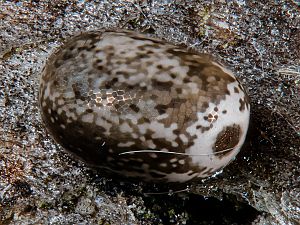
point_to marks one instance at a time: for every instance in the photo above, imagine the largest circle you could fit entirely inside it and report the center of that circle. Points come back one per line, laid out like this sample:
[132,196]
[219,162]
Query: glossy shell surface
[143,107]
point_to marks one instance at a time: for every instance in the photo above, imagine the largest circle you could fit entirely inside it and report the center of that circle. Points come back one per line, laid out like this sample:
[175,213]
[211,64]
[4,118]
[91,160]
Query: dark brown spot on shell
[162,85]
[161,109]
[242,104]
[236,90]
[89,110]
[134,108]
[204,106]
[173,75]
[178,90]
[186,80]
[227,139]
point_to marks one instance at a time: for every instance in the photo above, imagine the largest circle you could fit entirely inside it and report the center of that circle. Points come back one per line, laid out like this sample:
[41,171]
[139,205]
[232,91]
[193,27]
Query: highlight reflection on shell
[143,107]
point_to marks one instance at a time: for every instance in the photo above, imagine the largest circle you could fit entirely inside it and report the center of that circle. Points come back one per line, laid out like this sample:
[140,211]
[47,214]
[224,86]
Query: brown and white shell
[143,107]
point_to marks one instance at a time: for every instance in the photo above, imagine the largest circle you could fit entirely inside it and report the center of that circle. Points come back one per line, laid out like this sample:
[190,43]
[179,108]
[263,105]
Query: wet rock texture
[39,184]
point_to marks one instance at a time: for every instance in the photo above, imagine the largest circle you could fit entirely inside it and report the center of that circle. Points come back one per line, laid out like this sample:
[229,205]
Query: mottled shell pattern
[142,107]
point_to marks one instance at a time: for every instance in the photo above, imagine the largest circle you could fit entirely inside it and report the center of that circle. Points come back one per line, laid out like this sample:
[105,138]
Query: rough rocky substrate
[39,184]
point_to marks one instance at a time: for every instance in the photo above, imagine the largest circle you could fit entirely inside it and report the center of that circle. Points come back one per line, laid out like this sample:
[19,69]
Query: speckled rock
[142,107]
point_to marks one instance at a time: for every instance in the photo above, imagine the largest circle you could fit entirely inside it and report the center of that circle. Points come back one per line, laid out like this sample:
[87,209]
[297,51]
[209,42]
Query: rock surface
[40,184]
